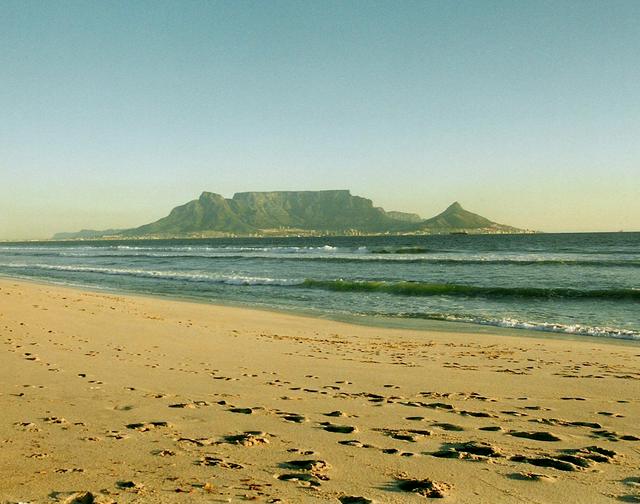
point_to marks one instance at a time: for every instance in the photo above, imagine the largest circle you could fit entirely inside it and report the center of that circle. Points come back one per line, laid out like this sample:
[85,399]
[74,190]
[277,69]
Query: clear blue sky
[114,112]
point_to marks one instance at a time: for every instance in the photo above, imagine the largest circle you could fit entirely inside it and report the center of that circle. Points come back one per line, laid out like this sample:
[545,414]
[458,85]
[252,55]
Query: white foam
[171,275]
[577,329]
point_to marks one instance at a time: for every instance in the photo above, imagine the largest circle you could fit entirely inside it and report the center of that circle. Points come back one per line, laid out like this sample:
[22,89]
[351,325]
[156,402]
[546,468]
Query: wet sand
[113,398]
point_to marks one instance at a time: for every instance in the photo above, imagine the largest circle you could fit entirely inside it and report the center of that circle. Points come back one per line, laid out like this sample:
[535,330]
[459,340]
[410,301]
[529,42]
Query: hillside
[456,218]
[290,212]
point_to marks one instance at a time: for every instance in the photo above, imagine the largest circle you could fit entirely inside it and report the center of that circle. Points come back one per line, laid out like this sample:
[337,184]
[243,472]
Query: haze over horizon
[527,113]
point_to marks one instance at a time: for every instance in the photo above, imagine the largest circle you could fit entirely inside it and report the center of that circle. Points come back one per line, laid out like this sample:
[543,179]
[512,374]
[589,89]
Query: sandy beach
[113,398]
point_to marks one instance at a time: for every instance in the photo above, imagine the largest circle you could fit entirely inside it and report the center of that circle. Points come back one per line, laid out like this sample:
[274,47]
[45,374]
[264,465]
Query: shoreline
[135,399]
[409,324]
[267,237]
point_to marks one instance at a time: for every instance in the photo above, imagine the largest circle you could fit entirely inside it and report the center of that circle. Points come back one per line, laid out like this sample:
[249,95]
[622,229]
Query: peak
[454,206]
[209,195]
[344,191]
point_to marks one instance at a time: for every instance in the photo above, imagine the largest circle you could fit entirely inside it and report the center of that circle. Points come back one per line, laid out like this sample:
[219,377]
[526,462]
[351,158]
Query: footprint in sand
[190,405]
[302,479]
[80,498]
[317,468]
[357,444]
[531,476]
[448,427]
[244,411]
[293,417]
[131,486]
[55,420]
[144,427]
[614,436]
[424,487]
[629,498]
[491,428]
[471,450]
[38,456]
[574,459]
[210,460]
[312,472]
[301,452]
[113,434]
[123,407]
[410,435]
[535,435]
[565,423]
[632,481]
[248,438]
[197,441]
[514,413]
[164,453]
[27,426]
[610,414]
[339,429]
[395,451]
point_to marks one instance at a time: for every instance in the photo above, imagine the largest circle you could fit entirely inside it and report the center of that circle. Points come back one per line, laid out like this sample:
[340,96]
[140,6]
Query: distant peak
[209,195]
[454,206]
[288,193]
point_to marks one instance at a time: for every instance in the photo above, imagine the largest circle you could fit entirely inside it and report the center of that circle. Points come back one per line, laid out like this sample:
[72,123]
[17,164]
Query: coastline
[142,399]
[382,322]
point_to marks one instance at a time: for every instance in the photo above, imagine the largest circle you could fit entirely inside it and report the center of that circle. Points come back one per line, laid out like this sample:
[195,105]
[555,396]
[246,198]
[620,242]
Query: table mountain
[291,212]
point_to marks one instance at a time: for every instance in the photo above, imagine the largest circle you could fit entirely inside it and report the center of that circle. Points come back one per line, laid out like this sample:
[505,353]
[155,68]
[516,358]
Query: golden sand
[114,398]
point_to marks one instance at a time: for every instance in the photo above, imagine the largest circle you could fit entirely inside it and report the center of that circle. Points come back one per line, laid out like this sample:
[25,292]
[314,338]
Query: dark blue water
[569,283]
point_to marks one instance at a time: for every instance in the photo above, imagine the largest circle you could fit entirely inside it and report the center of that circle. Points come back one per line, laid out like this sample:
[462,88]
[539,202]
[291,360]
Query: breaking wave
[432,289]
[168,275]
[512,323]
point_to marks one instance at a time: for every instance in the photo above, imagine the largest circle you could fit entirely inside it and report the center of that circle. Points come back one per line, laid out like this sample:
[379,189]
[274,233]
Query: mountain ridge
[283,213]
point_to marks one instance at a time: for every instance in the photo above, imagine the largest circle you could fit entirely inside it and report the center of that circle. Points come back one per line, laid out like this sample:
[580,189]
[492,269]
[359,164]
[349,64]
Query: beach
[124,398]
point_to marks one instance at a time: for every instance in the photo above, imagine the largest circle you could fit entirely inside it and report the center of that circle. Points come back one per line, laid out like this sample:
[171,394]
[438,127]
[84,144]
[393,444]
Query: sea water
[585,284]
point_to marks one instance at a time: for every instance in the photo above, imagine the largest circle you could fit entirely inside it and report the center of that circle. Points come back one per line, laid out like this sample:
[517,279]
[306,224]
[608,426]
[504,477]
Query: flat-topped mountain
[296,212]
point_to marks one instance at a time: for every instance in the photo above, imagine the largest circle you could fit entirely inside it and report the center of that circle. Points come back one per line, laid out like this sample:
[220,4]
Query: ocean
[578,284]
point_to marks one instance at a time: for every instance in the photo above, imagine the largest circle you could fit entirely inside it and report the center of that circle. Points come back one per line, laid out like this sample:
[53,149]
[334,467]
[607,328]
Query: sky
[112,113]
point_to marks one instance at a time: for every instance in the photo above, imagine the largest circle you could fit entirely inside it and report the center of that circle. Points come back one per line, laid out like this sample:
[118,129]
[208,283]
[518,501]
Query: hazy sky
[114,112]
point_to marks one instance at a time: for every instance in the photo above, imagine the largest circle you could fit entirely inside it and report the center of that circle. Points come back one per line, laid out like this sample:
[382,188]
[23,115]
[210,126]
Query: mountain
[210,212]
[456,218]
[295,212]
[406,217]
[260,212]
[87,234]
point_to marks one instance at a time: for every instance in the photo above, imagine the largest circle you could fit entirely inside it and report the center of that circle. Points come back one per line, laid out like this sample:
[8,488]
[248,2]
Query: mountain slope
[253,212]
[210,212]
[87,234]
[311,210]
[457,218]
[290,212]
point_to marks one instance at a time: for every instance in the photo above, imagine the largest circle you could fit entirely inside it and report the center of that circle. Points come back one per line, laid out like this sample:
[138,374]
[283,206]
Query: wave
[401,288]
[508,322]
[168,275]
[200,248]
[487,261]
[455,261]
[401,250]
[456,290]
[340,257]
